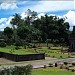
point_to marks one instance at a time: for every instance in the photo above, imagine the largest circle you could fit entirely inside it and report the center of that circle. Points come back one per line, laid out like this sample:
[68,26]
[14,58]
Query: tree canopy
[47,27]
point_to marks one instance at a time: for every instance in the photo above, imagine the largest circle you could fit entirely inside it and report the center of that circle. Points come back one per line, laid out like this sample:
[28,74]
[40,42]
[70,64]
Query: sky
[60,8]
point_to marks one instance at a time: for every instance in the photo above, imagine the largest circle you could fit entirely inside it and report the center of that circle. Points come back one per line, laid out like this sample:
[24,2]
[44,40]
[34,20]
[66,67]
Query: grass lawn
[52,71]
[10,49]
[54,52]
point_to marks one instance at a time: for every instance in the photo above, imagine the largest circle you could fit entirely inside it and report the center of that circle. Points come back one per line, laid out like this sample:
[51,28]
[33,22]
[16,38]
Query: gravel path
[35,63]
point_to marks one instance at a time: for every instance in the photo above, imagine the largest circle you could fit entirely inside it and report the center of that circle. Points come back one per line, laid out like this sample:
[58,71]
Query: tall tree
[8,32]
[15,23]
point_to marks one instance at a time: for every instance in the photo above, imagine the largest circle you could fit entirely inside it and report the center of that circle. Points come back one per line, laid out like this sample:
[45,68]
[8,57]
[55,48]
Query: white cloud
[3,19]
[2,27]
[70,18]
[23,15]
[9,19]
[46,6]
[5,22]
[41,14]
[8,6]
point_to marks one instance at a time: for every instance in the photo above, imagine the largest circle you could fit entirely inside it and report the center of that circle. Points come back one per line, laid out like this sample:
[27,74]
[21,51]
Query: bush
[49,47]
[53,56]
[61,67]
[60,56]
[56,65]
[68,56]
[45,66]
[18,42]
[67,68]
[73,63]
[2,44]
[50,65]
[17,47]
[72,70]
[65,63]
[33,46]
[17,70]
[24,46]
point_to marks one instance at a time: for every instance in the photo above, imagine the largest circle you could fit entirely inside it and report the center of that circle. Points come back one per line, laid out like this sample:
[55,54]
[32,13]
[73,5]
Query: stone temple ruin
[72,40]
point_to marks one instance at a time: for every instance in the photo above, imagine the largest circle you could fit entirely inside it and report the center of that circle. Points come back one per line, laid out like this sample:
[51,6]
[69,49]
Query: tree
[8,32]
[15,22]
[52,27]
[46,27]
[31,15]
[23,30]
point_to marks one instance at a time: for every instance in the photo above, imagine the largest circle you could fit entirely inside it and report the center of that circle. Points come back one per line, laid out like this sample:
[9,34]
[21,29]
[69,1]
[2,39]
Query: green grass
[52,71]
[11,50]
[53,52]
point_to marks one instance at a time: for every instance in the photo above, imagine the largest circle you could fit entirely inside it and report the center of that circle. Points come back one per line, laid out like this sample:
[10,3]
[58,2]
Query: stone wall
[17,58]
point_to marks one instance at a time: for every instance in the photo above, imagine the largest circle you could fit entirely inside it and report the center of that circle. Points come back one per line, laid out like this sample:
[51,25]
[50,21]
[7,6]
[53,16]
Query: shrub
[17,47]
[61,67]
[24,46]
[53,56]
[50,65]
[45,66]
[17,70]
[68,56]
[2,44]
[72,70]
[73,63]
[65,63]
[49,47]
[33,46]
[18,42]
[67,68]
[56,65]
[60,56]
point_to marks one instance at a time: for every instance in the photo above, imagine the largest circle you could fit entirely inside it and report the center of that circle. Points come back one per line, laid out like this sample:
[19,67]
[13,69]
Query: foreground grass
[52,71]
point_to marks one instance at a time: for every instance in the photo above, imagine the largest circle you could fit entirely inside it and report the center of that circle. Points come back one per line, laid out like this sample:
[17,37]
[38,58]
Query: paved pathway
[35,63]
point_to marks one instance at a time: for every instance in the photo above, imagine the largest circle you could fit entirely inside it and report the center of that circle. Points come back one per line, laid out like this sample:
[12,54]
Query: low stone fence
[27,57]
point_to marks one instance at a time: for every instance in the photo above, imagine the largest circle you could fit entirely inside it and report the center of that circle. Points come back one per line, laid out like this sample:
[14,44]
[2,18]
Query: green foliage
[34,46]
[50,65]
[49,47]
[23,70]
[15,20]
[17,47]
[47,27]
[73,63]
[8,32]
[24,46]
[65,63]
[56,64]
[2,44]
[18,42]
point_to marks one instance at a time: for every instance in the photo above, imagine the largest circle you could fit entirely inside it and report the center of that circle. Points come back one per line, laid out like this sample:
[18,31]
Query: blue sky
[59,8]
